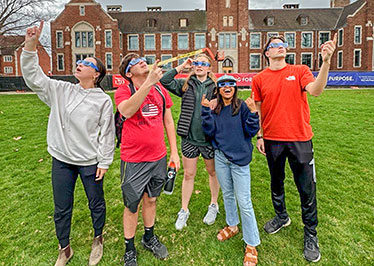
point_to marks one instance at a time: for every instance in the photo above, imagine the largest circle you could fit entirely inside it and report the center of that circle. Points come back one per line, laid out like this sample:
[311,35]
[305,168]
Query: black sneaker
[311,248]
[276,224]
[156,247]
[130,258]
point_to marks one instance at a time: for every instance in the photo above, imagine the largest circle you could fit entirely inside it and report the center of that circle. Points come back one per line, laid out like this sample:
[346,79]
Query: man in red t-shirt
[143,150]
[280,93]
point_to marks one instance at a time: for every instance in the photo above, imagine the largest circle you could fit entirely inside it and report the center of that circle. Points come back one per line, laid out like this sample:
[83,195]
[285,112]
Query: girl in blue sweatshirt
[231,125]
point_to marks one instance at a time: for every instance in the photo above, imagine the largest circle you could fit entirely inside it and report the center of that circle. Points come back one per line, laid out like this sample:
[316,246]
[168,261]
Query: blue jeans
[235,182]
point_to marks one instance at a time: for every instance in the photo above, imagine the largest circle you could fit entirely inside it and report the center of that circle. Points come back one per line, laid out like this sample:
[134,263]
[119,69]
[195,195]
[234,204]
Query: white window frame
[273,33]
[354,56]
[62,36]
[171,63]
[254,33]
[154,37]
[106,60]
[294,54]
[150,55]
[224,22]
[301,39]
[311,58]
[337,59]
[82,8]
[231,21]
[294,34]
[63,62]
[354,34]
[183,25]
[340,45]
[199,33]
[171,40]
[128,42]
[111,39]
[8,70]
[319,39]
[8,58]
[255,68]
[188,41]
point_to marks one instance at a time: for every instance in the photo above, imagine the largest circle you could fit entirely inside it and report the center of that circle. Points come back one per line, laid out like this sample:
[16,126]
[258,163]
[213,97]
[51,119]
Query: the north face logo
[291,78]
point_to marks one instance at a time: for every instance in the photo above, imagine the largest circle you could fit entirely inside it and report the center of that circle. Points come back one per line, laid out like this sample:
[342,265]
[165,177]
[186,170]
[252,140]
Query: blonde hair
[210,74]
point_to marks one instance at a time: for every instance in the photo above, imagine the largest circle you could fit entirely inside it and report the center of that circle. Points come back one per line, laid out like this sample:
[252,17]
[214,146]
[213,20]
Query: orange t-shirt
[285,114]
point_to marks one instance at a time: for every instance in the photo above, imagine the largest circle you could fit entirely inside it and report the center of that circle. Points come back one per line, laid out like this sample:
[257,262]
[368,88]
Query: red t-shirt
[143,133]
[285,113]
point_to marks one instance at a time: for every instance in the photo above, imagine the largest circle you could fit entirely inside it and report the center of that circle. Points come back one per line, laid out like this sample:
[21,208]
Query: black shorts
[137,178]
[191,151]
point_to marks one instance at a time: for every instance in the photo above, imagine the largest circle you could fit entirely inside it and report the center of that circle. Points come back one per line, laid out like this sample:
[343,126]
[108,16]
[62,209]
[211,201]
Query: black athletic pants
[64,177]
[300,158]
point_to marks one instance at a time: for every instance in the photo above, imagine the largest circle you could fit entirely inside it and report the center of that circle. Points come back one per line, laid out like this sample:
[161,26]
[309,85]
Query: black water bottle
[170,182]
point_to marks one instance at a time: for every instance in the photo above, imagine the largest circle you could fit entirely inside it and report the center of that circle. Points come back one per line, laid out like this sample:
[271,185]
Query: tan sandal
[227,233]
[250,257]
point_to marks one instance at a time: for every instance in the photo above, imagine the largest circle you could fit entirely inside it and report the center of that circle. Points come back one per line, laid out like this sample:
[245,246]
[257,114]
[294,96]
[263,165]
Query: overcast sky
[140,5]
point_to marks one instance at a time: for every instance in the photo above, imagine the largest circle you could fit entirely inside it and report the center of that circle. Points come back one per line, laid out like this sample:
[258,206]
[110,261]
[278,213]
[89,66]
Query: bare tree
[17,15]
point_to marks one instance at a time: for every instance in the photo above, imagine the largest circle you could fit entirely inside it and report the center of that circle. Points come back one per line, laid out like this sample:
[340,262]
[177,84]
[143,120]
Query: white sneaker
[211,215]
[182,219]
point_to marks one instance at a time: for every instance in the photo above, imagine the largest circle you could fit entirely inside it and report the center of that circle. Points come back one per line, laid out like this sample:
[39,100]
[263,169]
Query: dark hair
[102,71]
[125,62]
[278,37]
[235,103]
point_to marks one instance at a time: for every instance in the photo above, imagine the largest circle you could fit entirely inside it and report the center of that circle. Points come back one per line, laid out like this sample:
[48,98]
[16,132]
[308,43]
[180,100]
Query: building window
[228,4]
[181,60]
[306,59]
[304,20]
[255,40]
[81,10]
[151,23]
[291,58]
[83,39]
[272,34]
[109,61]
[60,62]
[183,22]
[59,39]
[340,37]
[323,37]
[270,21]
[227,40]
[166,42]
[151,59]
[108,38]
[120,41]
[357,58]
[224,23]
[340,59]
[290,38]
[133,42]
[149,42]
[358,30]
[8,70]
[8,58]
[231,21]
[306,40]
[182,41]
[82,56]
[168,65]
[199,40]
[255,61]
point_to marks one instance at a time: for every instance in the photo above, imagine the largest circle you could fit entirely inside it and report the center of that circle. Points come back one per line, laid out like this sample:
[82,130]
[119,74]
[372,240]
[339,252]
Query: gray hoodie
[81,123]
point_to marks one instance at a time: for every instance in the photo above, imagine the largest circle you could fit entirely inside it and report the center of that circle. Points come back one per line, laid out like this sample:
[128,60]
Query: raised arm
[208,124]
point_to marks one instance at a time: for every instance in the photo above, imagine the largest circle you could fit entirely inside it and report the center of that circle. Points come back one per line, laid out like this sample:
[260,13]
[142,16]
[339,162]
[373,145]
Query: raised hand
[251,104]
[328,48]
[32,36]
[188,63]
[155,74]
[204,101]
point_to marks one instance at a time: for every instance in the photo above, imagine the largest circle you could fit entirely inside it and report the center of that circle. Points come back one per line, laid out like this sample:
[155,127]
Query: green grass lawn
[344,132]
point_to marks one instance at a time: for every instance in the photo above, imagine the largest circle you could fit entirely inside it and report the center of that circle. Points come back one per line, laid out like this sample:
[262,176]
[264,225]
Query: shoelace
[153,242]
[310,243]
[130,256]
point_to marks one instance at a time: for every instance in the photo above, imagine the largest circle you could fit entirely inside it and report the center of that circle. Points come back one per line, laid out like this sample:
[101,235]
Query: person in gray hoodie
[80,137]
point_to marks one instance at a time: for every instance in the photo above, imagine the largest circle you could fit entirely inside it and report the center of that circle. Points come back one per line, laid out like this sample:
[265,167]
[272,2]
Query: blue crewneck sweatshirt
[232,134]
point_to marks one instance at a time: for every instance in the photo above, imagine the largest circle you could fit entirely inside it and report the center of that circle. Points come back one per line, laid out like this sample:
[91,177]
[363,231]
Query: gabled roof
[82,1]
[347,11]
[287,19]
[9,43]
[166,21]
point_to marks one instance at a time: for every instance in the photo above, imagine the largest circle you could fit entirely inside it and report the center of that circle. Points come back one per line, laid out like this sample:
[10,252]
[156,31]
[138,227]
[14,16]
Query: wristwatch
[260,137]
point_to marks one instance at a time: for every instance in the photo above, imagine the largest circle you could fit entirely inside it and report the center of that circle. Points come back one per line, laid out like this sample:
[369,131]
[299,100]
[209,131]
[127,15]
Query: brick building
[85,29]
[10,52]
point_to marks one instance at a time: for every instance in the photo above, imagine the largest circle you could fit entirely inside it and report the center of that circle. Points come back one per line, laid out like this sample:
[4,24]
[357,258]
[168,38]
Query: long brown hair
[102,71]
[235,102]
[210,73]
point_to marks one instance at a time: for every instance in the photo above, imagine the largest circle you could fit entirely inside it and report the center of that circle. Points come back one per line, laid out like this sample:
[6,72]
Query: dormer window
[303,20]
[270,21]
[151,23]
[183,22]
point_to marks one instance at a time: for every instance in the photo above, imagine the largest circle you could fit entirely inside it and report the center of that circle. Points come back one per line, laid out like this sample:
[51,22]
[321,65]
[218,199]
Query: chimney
[290,6]
[153,8]
[339,3]
[114,8]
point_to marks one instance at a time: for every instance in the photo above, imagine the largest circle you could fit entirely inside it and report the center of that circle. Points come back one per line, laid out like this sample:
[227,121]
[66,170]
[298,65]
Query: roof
[9,43]
[166,21]
[347,11]
[287,19]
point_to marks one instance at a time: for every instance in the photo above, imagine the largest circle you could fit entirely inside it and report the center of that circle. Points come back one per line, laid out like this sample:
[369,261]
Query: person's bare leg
[149,210]
[189,166]
[213,182]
